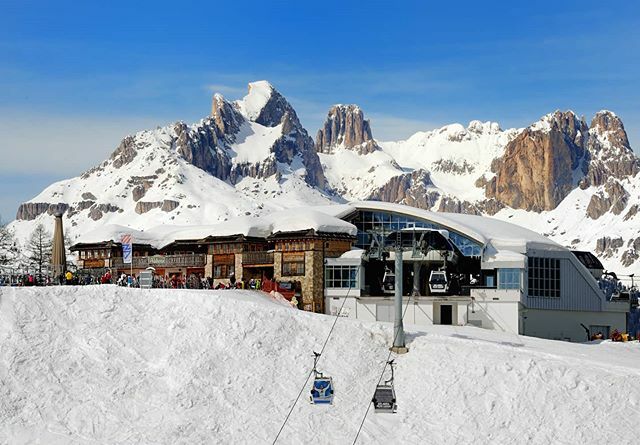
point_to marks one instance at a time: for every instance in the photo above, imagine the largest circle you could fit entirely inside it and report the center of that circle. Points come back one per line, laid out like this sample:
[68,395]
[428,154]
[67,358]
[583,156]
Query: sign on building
[127,248]
[146,279]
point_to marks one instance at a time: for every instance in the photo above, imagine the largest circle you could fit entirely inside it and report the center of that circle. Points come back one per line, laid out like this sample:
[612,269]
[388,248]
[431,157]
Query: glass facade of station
[368,221]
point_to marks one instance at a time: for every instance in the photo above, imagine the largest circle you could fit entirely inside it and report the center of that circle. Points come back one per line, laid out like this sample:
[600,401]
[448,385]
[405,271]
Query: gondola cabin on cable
[388,281]
[384,399]
[322,389]
[439,282]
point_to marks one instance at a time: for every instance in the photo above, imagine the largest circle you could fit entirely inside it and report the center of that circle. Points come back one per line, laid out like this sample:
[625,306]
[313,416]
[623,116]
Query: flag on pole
[127,248]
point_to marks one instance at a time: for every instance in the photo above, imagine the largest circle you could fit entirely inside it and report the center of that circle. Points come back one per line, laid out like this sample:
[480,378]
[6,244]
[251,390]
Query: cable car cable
[314,368]
[381,377]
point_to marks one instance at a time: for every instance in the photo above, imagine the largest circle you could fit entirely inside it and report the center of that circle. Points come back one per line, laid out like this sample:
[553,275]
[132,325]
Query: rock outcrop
[610,155]
[203,147]
[537,169]
[169,205]
[145,206]
[346,127]
[125,153]
[29,211]
[414,189]
[97,211]
[452,204]
[633,211]
[607,246]
[614,199]
[449,166]
[632,254]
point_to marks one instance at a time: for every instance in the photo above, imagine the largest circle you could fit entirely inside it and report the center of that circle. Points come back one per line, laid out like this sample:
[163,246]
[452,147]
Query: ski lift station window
[341,276]
[370,221]
[544,277]
[509,278]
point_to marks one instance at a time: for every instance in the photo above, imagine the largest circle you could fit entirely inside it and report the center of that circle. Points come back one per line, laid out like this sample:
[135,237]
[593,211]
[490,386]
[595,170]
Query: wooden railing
[140,262]
[254,258]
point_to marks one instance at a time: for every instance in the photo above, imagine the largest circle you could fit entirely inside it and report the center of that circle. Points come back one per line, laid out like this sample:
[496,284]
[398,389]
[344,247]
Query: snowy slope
[569,225]
[113,365]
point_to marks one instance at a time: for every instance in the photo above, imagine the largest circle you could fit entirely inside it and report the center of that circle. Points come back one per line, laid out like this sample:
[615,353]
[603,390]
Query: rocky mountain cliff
[575,182]
[560,152]
[346,127]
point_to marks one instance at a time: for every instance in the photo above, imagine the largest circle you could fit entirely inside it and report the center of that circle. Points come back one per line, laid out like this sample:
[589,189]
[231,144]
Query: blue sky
[75,77]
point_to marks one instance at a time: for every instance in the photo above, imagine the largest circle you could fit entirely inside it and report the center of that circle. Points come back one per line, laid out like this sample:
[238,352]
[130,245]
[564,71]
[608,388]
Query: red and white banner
[127,248]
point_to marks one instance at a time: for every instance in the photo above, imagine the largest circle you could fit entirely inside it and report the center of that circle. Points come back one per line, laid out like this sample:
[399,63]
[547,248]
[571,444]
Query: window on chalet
[222,270]
[223,265]
[292,264]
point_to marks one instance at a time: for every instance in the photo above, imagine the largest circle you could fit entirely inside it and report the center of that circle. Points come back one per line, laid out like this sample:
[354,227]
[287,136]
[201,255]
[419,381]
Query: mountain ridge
[252,156]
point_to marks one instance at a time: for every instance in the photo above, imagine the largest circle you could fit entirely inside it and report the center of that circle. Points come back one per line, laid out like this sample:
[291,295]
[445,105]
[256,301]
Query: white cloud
[61,144]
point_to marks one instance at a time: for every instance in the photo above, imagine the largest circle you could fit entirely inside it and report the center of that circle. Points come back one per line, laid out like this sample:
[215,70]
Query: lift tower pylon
[399,346]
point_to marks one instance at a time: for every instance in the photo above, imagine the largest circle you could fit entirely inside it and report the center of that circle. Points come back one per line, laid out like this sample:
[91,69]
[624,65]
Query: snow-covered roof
[501,235]
[497,236]
[250,226]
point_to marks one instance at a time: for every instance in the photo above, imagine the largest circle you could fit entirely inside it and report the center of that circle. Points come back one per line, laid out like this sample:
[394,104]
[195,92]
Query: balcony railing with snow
[139,262]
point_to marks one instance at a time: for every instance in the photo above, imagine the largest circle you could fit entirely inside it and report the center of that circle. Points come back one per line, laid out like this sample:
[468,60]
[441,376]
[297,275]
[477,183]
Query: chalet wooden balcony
[141,262]
[257,259]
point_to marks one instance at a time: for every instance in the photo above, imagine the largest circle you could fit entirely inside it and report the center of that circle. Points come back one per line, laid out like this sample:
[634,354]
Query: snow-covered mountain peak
[253,103]
[608,129]
[605,112]
[476,126]
[353,108]
[558,120]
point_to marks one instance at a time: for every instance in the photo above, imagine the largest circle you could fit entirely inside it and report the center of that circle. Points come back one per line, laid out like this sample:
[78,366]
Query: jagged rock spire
[346,127]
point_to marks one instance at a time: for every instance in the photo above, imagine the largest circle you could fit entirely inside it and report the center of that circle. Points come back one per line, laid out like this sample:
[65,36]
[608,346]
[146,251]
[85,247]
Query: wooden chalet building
[293,258]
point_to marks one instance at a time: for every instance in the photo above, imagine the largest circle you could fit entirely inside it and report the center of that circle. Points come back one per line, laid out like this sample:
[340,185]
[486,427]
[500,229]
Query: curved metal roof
[482,229]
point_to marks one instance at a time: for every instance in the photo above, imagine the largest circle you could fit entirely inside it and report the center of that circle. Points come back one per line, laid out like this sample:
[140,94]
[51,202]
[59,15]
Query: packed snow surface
[112,365]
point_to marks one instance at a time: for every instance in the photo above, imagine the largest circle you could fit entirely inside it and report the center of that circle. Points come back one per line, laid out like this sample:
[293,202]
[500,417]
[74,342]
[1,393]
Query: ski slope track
[112,365]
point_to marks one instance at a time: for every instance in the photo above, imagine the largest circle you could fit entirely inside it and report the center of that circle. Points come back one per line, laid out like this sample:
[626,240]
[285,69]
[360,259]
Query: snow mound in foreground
[113,365]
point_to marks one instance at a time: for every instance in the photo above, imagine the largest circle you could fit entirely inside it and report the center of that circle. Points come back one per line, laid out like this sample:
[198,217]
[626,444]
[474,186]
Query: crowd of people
[174,281]
[32,279]
[25,280]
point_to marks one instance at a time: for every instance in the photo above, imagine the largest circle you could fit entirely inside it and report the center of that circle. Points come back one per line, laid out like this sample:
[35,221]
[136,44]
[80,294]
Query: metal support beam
[417,267]
[398,329]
